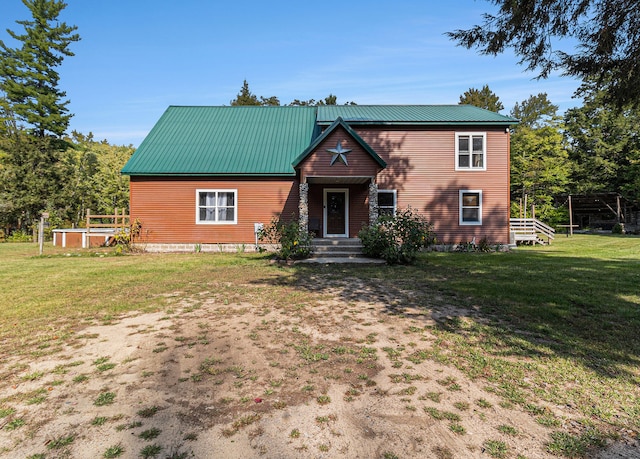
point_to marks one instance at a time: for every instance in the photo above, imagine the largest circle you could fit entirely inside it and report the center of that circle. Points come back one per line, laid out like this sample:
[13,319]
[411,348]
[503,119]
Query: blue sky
[137,57]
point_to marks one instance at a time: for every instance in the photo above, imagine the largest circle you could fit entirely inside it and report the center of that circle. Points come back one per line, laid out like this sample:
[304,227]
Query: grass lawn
[538,326]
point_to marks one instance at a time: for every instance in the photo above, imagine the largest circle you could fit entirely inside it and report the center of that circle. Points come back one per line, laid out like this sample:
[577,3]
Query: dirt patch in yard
[344,369]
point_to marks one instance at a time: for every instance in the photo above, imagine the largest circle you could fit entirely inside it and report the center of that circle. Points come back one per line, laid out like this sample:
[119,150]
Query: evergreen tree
[28,76]
[246,97]
[540,169]
[604,143]
[34,116]
[604,43]
[536,111]
[483,98]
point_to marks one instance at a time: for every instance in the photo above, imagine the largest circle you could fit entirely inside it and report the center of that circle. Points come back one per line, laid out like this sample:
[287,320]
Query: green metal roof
[269,141]
[411,114]
[224,141]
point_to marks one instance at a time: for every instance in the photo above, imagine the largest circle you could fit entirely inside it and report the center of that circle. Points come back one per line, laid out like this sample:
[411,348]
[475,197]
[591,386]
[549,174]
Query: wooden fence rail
[116,220]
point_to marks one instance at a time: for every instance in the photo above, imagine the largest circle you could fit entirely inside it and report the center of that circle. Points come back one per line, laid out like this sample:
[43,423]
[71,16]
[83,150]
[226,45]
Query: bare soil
[335,374]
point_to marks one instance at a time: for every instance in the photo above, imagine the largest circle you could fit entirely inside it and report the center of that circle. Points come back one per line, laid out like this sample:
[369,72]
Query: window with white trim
[471,151]
[471,207]
[215,207]
[387,202]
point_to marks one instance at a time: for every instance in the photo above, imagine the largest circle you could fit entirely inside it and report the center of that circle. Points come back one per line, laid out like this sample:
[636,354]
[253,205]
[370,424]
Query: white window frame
[484,151]
[216,222]
[462,207]
[395,201]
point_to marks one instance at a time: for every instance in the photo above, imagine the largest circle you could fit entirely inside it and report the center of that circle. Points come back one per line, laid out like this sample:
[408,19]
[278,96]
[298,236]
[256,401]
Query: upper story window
[216,206]
[471,151]
[387,202]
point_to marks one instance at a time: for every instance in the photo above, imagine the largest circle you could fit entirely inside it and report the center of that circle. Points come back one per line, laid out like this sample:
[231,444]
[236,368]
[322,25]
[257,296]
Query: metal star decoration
[339,154]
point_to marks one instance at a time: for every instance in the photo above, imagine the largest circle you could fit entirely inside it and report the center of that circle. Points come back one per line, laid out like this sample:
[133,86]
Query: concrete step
[337,248]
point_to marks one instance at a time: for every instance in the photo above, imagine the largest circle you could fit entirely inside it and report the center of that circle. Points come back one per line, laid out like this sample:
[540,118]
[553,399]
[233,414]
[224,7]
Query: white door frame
[346,211]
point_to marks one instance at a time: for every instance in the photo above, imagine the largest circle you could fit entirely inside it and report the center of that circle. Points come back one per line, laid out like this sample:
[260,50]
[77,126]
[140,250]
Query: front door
[336,212]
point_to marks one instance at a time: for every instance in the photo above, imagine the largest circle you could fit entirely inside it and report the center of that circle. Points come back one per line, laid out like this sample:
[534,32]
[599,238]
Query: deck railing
[531,230]
[117,221]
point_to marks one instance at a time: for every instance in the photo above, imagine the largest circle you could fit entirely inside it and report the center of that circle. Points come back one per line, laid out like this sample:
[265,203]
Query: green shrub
[618,228]
[20,236]
[397,239]
[293,243]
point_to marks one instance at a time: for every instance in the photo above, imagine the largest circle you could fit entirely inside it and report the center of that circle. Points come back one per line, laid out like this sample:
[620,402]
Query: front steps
[338,250]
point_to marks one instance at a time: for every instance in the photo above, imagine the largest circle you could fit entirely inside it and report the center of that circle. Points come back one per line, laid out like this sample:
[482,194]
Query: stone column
[303,208]
[373,202]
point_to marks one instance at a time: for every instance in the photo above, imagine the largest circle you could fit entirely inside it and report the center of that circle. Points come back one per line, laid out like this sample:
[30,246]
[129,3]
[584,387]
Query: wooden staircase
[531,231]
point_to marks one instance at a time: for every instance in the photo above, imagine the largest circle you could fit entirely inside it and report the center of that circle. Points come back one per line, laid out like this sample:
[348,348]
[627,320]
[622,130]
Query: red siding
[318,163]
[421,167]
[166,207]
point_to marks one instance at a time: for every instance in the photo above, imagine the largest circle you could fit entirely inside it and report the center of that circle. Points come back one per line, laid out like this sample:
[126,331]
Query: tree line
[595,147]
[591,148]
[41,167]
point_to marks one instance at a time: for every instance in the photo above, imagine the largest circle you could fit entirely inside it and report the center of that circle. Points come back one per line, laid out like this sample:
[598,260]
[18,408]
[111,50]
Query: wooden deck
[531,231]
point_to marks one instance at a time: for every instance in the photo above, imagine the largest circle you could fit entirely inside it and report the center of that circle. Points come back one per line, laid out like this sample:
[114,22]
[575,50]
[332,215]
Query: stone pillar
[303,208]
[373,202]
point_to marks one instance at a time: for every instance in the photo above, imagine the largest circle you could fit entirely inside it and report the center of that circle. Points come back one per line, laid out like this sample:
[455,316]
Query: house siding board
[318,163]
[166,208]
[421,167]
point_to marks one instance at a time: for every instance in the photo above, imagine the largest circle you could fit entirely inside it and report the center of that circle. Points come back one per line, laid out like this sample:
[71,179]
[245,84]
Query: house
[208,175]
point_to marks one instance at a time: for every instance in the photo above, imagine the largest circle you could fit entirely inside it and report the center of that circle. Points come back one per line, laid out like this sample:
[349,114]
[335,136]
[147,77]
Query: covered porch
[337,206]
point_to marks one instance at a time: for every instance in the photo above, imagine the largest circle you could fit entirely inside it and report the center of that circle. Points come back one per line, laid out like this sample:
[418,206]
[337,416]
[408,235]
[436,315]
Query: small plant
[548,421]
[150,451]
[462,406]
[433,396]
[295,433]
[574,445]
[105,366]
[60,442]
[80,378]
[293,243]
[496,448]
[4,412]
[14,424]
[105,398]
[397,239]
[440,415]
[457,428]
[509,430]
[240,423]
[113,451]
[98,421]
[482,403]
[149,434]
[148,412]
[33,376]
[323,399]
